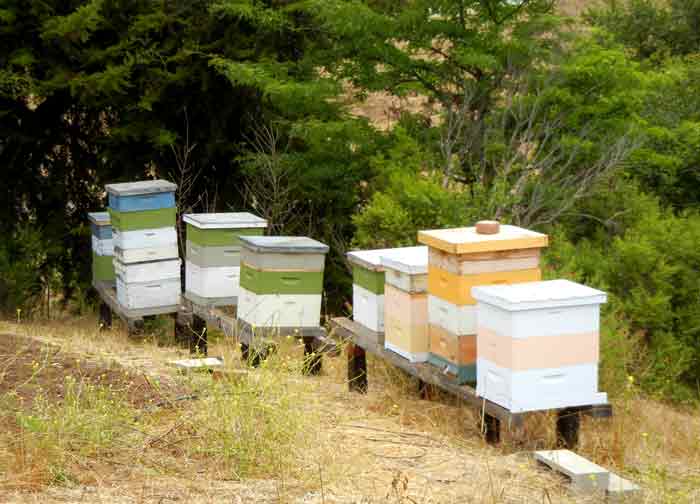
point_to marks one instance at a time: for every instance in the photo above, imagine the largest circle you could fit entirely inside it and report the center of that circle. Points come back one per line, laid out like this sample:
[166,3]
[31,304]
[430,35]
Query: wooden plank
[231,327]
[107,292]
[360,336]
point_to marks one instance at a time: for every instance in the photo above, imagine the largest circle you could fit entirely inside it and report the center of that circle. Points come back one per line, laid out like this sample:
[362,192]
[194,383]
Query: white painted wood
[145,238]
[141,187]
[538,389]
[226,220]
[368,308]
[147,272]
[217,282]
[146,254]
[584,474]
[539,322]
[148,294]
[459,320]
[103,247]
[535,295]
[278,310]
[409,260]
[372,259]
[405,281]
[411,357]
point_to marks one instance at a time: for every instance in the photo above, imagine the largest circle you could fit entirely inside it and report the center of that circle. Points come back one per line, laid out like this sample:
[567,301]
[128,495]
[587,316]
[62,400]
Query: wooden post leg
[425,390]
[568,423]
[492,429]
[198,336]
[313,362]
[105,316]
[183,328]
[357,369]
[136,327]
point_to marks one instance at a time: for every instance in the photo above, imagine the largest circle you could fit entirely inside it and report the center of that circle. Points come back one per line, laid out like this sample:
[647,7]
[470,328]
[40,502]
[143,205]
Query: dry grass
[280,437]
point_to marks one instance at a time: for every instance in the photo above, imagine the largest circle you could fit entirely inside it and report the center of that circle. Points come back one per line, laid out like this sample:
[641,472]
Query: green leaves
[77,26]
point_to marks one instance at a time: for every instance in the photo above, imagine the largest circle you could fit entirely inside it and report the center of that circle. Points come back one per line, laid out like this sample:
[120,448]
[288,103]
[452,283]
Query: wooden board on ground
[198,364]
[359,335]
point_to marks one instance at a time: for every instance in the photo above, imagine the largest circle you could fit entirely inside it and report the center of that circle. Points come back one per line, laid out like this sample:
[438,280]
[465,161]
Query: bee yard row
[146,259]
[213,255]
[102,247]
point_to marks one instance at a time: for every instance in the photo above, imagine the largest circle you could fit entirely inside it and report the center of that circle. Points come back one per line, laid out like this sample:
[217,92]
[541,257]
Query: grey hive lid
[141,187]
[534,295]
[230,220]
[372,259]
[100,218]
[284,244]
[411,260]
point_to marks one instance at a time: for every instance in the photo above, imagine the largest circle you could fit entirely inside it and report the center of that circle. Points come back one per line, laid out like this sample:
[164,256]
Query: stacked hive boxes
[281,282]
[459,260]
[213,255]
[537,345]
[406,304]
[145,243]
[102,247]
[368,285]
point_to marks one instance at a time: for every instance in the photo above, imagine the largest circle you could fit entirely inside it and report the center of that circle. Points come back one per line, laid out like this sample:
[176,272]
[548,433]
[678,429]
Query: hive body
[213,248]
[460,259]
[538,345]
[281,281]
[368,285]
[102,247]
[406,303]
[146,261]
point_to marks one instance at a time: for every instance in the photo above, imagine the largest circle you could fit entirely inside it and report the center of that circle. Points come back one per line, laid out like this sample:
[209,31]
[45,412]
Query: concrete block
[621,488]
[198,364]
[584,474]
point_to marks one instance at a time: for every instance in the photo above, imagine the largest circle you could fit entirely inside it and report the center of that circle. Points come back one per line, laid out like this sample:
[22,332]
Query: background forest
[587,129]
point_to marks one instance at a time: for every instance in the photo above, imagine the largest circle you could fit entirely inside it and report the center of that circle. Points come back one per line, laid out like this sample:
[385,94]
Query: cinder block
[584,474]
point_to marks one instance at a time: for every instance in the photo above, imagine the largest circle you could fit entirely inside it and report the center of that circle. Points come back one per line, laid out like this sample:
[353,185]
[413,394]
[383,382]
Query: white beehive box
[538,345]
[148,271]
[368,285]
[213,282]
[145,238]
[148,294]
[406,304]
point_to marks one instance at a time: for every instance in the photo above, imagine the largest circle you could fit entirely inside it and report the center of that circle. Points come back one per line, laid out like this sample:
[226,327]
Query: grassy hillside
[102,417]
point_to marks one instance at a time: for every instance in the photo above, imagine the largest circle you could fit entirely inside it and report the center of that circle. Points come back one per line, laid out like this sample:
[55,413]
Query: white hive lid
[229,220]
[372,259]
[284,244]
[466,240]
[533,295]
[411,260]
[141,187]
[100,218]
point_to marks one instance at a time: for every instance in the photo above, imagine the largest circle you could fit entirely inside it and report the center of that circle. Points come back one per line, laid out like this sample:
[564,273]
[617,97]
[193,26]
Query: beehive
[460,259]
[102,247]
[281,281]
[406,303]
[213,251]
[538,345]
[143,219]
[368,285]
[146,260]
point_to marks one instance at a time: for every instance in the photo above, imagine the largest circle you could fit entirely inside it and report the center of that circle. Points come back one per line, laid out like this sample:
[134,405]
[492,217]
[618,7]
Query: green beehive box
[145,219]
[102,268]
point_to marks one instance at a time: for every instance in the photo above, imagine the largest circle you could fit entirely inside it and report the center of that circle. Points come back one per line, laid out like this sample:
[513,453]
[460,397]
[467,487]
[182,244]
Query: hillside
[336,446]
